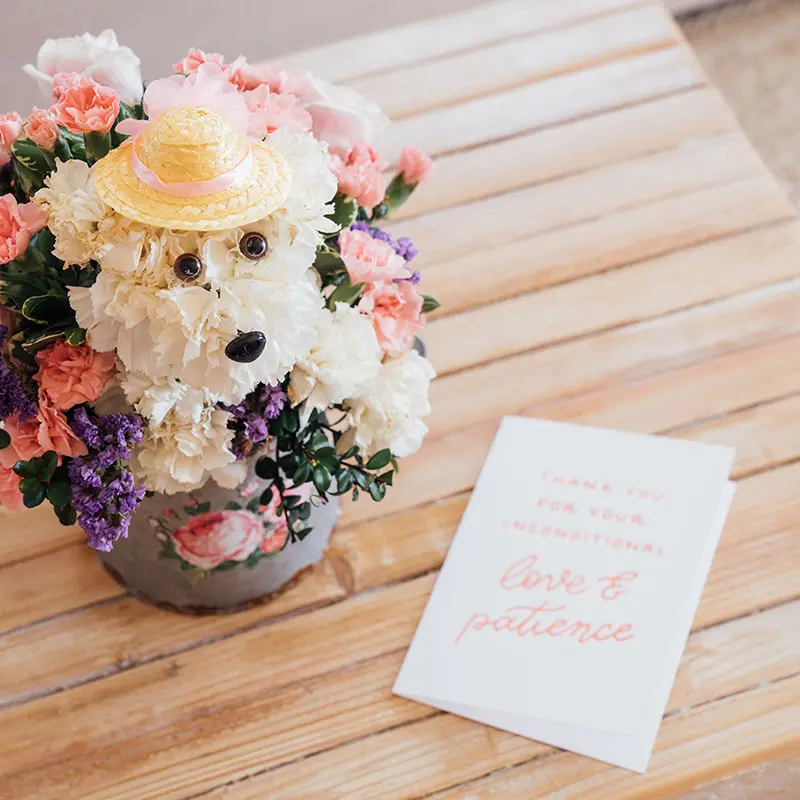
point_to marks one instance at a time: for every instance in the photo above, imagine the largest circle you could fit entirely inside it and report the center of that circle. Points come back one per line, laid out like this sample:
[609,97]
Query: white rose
[344,359]
[100,58]
[389,414]
[340,115]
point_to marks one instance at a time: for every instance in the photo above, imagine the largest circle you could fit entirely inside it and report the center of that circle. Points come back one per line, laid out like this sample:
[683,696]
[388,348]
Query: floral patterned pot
[215,550]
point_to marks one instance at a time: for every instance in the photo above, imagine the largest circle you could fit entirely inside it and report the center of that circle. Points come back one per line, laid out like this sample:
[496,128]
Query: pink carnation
[271,110]
[48,430]
[281,79]
[86,107]
[41,129]
[396,311]
[10,495]
[195,58]
[414,166]
[71,374]
[17,223]
[10,131]
[63,81]
[369,259]
[360,174]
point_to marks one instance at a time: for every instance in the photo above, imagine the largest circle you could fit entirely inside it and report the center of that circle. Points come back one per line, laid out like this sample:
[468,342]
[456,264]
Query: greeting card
[566,599]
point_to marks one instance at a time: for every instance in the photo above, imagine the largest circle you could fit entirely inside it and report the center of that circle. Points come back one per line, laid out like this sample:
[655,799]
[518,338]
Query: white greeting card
[566,599]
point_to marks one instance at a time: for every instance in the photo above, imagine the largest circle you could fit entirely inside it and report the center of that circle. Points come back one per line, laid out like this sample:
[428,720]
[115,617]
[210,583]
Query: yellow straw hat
[190,170]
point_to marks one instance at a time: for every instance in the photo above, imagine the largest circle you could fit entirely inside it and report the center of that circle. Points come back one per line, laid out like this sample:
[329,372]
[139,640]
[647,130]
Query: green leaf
[29,181]
[75,335]
[328,262]
[225,566]
[32,156]
[345,292]
[59,493]
[203,508]
[380,459]
[344,481]
[344,211]
[67,515]
[26,469]
[50,462]
[29,485]
[36,340]
[322,478]
[125,112]
[266,468]
[74,141]
[377,491]
[302,533]
[5,439]
[360,478]
[429,304]
[232,505]
[387,477]
[397,193]
[303,512]
[47,309]
[34,498]
[302,473]
[97,146]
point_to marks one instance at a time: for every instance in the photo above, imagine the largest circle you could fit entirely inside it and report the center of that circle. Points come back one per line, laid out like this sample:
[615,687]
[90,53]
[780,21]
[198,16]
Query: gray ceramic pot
[215,550]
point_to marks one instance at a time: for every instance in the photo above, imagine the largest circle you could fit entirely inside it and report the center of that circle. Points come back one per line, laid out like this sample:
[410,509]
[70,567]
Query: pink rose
[48,430]
[10,131]
[360,174]
[396,311]
[195,58]
[17,223]
[86,107]
[369,259]
[209,539]
[41,129]
[10,495]
[71,374]
[414,166]
[270,110]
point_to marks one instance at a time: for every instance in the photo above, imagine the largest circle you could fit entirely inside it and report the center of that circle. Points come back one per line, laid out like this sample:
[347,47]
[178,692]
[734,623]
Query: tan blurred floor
[751,50]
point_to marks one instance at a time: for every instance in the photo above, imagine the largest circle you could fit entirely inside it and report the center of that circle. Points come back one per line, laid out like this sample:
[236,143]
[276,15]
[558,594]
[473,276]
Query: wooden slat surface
[609,249]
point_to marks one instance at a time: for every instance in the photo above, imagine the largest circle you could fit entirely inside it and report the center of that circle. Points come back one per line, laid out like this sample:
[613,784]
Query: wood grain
[609,250]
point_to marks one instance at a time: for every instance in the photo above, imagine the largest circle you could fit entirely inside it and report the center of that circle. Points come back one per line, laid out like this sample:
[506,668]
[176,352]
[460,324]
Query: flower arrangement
[192,279]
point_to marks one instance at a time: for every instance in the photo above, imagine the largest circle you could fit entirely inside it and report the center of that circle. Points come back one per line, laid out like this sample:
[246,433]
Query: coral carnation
[71,374]
[17,223]
[86,107]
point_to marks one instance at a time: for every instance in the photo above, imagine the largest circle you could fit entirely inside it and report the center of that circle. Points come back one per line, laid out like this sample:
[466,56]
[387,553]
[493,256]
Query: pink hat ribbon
[191,188]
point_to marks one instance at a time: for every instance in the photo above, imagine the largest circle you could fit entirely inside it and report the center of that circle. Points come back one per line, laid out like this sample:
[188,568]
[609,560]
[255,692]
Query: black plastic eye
[253,246]
[188,267]
[246,347]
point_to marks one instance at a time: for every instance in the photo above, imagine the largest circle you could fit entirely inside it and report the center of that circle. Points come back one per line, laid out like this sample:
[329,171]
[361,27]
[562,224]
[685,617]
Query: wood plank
[526,212]
[546,103]
[437,751]
[518,61]
[132,761]
[777,780]
[466,399]
[577,146]
[42,532]
[663,226]
[429,39]
[612,299]
[699,745]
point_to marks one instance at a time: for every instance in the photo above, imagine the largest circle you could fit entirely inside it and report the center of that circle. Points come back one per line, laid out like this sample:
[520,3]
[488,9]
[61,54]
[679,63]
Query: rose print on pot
[211,539]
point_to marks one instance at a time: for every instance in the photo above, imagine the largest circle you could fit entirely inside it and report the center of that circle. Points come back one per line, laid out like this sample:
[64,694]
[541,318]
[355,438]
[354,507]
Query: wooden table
[608,249]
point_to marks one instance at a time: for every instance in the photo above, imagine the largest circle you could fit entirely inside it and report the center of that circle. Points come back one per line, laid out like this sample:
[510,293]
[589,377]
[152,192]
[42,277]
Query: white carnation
[182,451]
[76,215]
[313,183]
[154,398]
[344,359]
[389,414]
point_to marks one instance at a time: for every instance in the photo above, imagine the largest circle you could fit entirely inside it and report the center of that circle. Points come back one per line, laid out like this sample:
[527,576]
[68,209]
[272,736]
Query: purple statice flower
[250,418]
[103,490]
[13,397]
[405,247]
[273,399]
[255,427]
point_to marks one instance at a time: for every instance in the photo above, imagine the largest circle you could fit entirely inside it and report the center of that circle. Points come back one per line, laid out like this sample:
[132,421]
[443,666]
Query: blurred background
[748,47]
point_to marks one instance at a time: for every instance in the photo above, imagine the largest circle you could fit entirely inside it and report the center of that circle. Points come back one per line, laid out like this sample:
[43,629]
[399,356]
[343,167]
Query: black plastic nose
[246,347]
